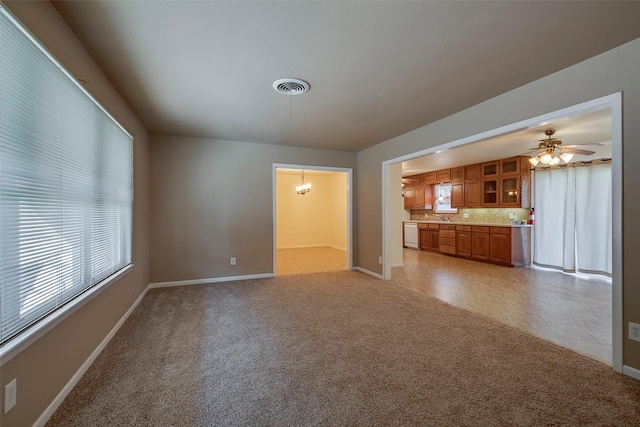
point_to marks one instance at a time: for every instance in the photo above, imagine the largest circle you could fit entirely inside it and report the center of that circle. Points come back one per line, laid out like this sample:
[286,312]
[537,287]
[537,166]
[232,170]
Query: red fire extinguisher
[531,216]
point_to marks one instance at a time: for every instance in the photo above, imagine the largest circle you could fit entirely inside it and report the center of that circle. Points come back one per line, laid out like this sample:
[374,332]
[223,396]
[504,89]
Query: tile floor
[567,310]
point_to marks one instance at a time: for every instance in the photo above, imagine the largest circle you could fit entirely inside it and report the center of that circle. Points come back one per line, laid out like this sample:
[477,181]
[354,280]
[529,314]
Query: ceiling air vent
[291,86]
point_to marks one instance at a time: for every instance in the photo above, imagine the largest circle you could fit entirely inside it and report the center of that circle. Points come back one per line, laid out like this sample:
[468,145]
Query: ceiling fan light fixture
[546,158]
[534,161]
[566,157]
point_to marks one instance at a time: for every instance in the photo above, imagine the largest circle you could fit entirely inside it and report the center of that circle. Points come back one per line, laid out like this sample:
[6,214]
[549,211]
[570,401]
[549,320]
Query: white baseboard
[369,272]
[397,265]
[44,417]
[631,372]
[211,280]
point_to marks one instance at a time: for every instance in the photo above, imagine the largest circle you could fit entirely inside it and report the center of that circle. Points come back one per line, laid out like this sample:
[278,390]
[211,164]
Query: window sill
[30,335]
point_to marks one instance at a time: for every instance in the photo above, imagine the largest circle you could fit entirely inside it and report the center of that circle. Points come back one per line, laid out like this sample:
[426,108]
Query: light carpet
[335,348]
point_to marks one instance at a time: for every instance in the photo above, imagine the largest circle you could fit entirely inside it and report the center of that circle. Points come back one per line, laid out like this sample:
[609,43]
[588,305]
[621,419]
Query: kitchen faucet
[444,218]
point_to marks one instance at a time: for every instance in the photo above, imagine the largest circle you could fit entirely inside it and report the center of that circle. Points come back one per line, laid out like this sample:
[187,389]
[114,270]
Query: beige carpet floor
[335,348]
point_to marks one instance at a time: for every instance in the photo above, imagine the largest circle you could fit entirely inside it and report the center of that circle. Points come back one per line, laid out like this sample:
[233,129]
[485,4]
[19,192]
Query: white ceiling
[376,69]
[586,130]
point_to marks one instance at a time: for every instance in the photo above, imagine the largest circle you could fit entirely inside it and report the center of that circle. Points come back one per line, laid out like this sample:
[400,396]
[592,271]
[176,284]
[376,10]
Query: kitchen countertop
[483,224]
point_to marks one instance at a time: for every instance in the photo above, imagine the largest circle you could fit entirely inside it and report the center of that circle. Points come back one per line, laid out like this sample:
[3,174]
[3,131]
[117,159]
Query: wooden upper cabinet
[473,172]
[473,193]
[443,176]
[457,195]
[510,191]
[457,174]
[418,197]
[510,166]
[490,192]
[414,195]
[408,196]
[417,180]
[430,178]
[490,169]
[428,196]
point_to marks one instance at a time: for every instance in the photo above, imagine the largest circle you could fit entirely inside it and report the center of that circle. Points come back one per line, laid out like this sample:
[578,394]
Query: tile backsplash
[488,216]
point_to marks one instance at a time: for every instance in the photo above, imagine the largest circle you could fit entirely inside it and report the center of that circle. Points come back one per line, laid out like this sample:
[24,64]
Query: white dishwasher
[411,235]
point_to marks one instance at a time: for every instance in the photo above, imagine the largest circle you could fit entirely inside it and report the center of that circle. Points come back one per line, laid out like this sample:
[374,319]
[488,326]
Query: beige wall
[611,72]
[318,218]
[44,368]
[213,200]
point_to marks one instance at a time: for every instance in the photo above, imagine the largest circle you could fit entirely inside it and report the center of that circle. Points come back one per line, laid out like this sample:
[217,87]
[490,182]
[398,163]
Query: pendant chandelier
[303,188]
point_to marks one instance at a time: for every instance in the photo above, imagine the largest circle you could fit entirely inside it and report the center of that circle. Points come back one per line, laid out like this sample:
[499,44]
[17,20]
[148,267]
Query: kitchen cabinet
[447,239]
[424,238]
[499,183]
[472,186]
[473,193]
[457,195]
[490,191]
[510,191]
[480,243]
[500,245]
[429,234]
[490,169]
[443,176]
[473,172]
[408,196]
[417,195]
[430,178]
[510,166]
[457,174]
[463,241]
[434,231]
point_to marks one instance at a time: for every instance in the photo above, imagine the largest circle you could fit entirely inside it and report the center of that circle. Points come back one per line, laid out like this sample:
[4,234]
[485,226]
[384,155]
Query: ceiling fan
[550,151]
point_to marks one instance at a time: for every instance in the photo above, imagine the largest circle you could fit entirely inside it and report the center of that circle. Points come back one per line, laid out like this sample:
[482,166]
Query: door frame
[349,219]
[612,102]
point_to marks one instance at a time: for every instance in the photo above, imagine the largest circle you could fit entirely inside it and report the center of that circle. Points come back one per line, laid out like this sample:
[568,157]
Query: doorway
[312,219]
[611,102]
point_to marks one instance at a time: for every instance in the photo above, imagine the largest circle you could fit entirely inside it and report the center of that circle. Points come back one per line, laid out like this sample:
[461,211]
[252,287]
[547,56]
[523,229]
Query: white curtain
[554,221]
[573,219]
[593,219]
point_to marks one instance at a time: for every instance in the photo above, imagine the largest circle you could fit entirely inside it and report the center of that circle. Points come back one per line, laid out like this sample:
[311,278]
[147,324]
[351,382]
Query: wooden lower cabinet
[447,239]
[463,241]
[500,245]
[480,243]
[429,237]
[424,238]
[509,246]
[433,240]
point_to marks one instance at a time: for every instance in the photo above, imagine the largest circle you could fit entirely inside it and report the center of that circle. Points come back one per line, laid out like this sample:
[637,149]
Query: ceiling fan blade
[586,143]
[577,151]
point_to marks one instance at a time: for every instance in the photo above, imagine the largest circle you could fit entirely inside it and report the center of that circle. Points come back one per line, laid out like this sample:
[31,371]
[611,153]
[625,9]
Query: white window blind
[66,189]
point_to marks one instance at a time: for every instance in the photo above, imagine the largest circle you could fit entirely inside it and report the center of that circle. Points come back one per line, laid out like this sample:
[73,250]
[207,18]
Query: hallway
[572,312]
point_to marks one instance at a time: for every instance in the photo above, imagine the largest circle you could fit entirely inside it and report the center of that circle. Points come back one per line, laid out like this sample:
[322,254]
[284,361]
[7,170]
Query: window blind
[66,187]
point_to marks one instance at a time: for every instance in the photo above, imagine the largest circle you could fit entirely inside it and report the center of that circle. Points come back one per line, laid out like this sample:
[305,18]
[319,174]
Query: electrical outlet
[10,395]
[233,260]
[465,215]
[380,260]
[634,331]
[512,216]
